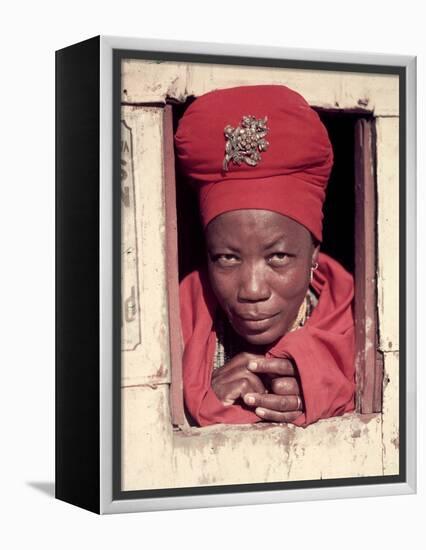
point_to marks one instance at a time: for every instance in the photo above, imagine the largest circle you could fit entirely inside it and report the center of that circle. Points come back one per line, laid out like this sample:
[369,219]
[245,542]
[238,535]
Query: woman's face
[259,265]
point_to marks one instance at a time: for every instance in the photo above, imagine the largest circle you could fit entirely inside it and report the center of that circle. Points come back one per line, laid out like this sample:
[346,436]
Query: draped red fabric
[323,350]
[292,175]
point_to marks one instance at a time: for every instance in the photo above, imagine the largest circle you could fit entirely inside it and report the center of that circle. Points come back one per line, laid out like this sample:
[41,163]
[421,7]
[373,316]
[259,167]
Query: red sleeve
[212,411]
[325,365]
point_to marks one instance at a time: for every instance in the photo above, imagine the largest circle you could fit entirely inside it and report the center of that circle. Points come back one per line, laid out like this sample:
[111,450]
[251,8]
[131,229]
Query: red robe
[323,350]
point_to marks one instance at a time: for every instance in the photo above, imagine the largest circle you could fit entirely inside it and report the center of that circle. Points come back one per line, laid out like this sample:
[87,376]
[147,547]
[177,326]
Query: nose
[253,286]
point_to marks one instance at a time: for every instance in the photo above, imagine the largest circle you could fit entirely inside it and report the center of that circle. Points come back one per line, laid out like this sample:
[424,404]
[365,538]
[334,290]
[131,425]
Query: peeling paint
[332,430]
[367,418]
[363,102]
[207,480]
[161,371]
[368,323]
[285,436]
[156,87]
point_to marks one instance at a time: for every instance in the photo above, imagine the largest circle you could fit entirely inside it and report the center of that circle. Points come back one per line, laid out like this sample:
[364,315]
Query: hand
[284,403]
[234,380]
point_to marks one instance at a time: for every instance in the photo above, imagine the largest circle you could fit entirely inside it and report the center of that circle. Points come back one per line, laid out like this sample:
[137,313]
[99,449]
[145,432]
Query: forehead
[262,226]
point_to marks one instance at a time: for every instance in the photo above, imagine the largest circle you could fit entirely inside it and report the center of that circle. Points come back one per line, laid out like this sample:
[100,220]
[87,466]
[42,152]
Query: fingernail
[260,412]
[252,365]
[249,399]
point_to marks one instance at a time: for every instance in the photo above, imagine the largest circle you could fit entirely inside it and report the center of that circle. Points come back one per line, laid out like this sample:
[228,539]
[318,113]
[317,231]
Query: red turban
[256,147]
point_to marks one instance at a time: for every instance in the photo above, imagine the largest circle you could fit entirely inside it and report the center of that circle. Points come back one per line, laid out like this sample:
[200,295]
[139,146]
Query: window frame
[368,358]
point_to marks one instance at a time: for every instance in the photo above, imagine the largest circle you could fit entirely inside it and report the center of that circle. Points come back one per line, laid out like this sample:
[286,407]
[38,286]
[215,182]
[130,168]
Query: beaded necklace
[229,343]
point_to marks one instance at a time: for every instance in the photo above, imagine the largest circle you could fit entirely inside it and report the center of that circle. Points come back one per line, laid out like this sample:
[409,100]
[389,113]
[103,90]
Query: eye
[278,259]
[225,260]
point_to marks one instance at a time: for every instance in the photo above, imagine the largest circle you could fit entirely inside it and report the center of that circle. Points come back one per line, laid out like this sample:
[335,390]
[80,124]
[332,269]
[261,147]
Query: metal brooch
[244,143]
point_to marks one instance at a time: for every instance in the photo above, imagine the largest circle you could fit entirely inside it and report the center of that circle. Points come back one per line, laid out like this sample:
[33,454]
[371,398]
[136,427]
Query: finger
[236,388]
[280,403]
[229,393]
[285,385]
[240,360]
[275,416]
[233,390]
[273,366]
[254,383]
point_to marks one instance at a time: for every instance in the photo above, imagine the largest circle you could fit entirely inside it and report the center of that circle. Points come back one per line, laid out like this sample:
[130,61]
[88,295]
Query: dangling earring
[313,268]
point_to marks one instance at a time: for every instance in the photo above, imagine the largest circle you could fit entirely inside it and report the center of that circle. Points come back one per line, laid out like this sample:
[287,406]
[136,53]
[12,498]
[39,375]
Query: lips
[255,318]
[250,325]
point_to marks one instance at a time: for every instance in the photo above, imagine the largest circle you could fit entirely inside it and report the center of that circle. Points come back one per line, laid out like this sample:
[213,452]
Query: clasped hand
[267,385]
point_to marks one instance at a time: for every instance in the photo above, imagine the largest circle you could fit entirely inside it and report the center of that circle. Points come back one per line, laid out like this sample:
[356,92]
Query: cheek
[293,284]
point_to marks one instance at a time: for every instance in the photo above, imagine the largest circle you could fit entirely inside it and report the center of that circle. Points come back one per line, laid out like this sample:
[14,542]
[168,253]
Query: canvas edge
[411,272]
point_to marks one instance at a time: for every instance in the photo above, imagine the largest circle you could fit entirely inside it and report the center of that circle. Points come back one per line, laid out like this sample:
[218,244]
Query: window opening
[349,236]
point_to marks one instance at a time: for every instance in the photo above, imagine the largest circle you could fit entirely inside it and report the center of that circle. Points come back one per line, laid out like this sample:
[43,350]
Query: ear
[315,254]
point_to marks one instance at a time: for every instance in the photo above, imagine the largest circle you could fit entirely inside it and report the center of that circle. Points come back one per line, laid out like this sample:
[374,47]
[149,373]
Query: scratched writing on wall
[130,299]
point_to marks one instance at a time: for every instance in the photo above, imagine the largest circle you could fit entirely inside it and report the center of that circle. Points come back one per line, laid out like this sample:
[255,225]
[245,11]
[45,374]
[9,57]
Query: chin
[261,339]
[258,335]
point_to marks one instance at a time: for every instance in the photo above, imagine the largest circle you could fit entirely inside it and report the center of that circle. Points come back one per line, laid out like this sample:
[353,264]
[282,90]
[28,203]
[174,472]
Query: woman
[267,326]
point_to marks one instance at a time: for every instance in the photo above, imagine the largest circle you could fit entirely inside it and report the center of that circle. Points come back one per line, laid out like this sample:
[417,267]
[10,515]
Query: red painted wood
[369,369]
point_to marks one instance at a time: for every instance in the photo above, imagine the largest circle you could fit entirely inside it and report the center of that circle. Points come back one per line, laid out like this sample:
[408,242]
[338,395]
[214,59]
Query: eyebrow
[278,240]
[212,248]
